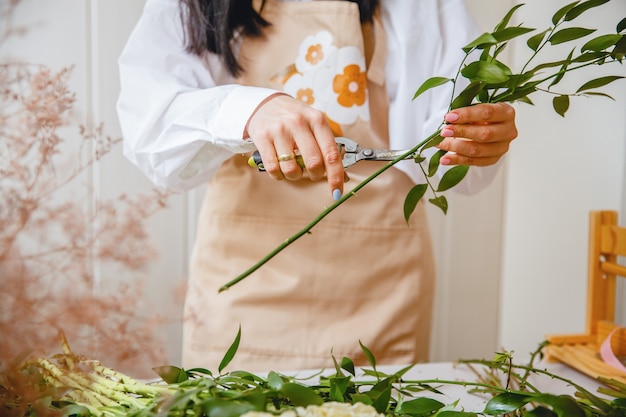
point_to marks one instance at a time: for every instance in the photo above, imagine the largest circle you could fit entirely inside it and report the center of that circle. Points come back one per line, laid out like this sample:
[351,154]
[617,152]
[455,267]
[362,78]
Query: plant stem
[306,229]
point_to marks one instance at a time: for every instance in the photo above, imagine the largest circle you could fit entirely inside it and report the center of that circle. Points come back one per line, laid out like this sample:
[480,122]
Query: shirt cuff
[237,108]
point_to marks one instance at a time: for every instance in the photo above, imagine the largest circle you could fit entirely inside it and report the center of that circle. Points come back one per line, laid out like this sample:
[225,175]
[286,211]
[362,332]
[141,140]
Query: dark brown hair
[211,25]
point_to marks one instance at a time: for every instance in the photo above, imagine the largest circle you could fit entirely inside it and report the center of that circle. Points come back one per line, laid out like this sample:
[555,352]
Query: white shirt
[182,116]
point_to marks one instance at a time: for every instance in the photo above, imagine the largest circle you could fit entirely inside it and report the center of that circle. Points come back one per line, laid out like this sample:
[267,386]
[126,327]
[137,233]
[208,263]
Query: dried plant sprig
[54,233]
[489,80]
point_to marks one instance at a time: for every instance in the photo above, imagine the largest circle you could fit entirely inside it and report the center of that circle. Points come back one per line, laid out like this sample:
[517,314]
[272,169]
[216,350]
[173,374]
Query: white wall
[467,244]
[558,171]
[511,260]
[88,36]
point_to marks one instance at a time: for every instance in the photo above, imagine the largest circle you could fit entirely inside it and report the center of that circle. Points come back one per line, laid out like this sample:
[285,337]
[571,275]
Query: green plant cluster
[491,81]
[79,387]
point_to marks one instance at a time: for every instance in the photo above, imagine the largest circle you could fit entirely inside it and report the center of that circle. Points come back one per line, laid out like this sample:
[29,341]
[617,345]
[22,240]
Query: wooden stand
[607,241]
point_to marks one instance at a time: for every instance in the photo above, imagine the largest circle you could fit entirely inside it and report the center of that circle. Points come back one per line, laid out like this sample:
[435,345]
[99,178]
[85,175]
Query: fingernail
[444,161]
[451,117]
[336,194]
[447,133]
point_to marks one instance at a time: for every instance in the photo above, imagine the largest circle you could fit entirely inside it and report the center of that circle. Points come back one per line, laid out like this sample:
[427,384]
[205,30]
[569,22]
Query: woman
[205,82]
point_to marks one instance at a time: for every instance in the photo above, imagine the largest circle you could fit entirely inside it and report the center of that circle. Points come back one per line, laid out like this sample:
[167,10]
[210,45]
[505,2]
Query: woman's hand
[281,125]
[478,135]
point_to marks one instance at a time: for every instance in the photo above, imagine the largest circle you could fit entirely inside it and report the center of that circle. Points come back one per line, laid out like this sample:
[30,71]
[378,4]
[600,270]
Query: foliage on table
[70,385]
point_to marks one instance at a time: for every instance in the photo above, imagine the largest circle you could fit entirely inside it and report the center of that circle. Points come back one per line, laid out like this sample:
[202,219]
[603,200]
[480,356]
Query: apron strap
[376,66]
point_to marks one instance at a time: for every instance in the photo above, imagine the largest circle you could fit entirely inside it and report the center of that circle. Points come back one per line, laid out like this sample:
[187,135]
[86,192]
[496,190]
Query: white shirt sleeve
[181,115]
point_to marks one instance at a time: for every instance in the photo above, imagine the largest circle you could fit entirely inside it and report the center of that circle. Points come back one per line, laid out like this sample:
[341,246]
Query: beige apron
[362,275]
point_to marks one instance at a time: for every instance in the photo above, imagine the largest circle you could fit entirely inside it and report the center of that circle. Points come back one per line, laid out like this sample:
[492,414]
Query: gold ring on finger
[286,156]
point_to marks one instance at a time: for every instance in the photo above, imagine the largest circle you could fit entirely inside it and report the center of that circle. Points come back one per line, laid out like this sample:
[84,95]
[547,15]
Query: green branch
[306,229]
[487,77]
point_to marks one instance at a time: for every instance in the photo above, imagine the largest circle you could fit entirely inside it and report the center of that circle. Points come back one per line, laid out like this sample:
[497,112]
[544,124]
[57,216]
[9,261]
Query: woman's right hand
[281,125]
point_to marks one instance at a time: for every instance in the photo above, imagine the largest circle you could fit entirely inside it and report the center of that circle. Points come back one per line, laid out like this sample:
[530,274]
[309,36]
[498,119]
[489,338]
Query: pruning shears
[351,153]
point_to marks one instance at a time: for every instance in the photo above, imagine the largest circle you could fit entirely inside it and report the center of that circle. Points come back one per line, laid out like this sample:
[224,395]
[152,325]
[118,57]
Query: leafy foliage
[78,386]
[492,81]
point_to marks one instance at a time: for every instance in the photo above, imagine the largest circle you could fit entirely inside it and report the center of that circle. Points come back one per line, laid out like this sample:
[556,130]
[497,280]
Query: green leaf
[230,353]
[484,40]
[256,399]
[621,26]
[217,407]
[510,33]
[583,7]
[403,371]
[337,367]
[484,97]
[535,41]
[338,387]
[348,365]
[489,72]
[619,402]
[620,48]
[562,405]
[560,14]
[507,18]
[526,100]
[441,202]
[569,34]
[466,97]
[590,56]
[301,395]
[171,374]
[453,413]
[559,75]
[506,402]
[540,411]
[499,49]
[599,82]
[431,83]
[550,64]
[419,407]
[518,80]
[275,381]
[599,94]
[433,163]
[245,375]
[381,394]
[601,43]
[412,198]
[433,142]
[361,398]
[518,94]
[561,104]
[452,177]
[368,354]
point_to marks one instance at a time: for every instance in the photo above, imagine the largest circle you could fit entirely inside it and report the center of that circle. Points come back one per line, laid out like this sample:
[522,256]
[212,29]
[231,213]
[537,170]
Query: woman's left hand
[478,135]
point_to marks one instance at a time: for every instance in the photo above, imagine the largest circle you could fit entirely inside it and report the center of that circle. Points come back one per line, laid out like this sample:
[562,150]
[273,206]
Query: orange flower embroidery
[306,96]
[314,54]
[350,86]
